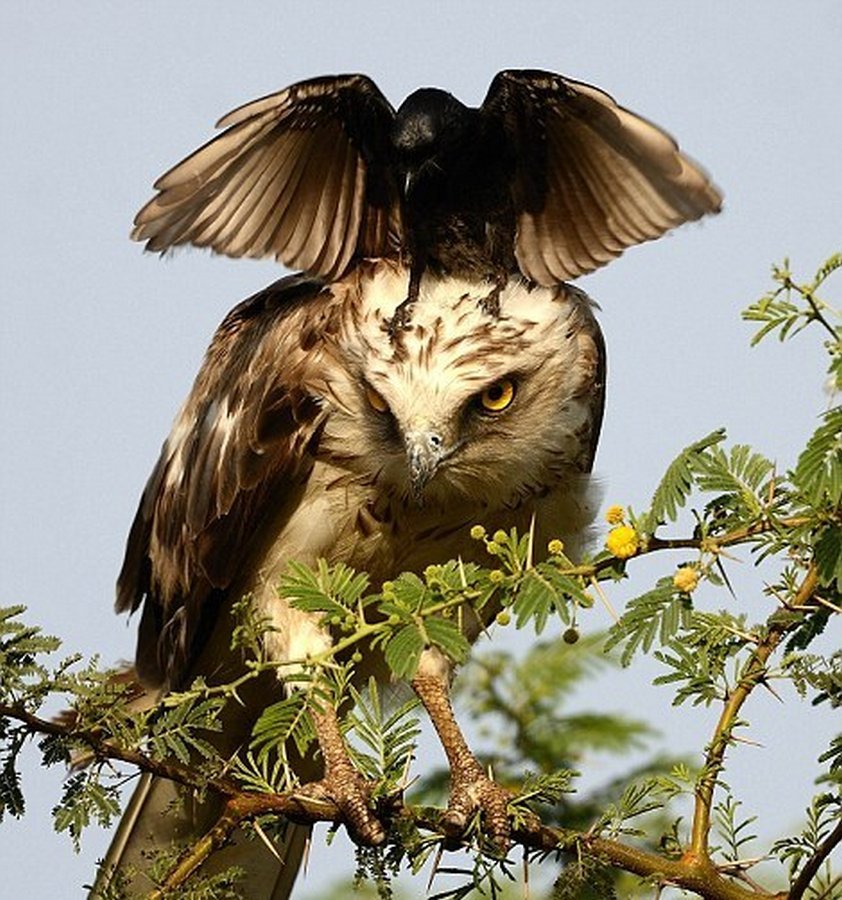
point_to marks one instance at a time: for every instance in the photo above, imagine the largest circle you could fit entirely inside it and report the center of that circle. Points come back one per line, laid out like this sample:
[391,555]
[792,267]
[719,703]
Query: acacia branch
[814,863]
[753,673]
[655,544]
[241,807]
[729,539]
[702,878]
[103,749]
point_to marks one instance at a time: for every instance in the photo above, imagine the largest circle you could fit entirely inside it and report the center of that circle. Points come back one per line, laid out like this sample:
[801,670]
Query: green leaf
[694,671]
[741,472]
[833,755]
[660,613]
[334,590]
[445,634]
[390,736]
[828,555]
[677,483]
[830,265]
[533,601]
[281,722]
[818,473]
[85,799]
[11,795]
[402,651]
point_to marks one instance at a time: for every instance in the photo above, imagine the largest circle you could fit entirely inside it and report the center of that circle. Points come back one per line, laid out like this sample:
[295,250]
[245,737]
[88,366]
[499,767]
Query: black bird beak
[410,176]
[425,451]
[413,174]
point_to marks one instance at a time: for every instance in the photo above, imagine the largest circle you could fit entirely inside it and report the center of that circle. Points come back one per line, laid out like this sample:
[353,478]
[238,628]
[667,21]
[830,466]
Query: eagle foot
[342,783]
[402,316]
[473,791]
[352,794]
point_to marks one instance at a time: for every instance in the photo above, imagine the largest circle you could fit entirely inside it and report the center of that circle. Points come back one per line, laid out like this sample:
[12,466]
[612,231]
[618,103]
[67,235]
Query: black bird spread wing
[591,178]
[241,444]
[301,175]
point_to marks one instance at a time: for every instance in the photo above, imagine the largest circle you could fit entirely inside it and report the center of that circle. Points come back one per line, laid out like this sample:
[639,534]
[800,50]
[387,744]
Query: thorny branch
[812,866]
[654,544]
[753,673]
[693,871]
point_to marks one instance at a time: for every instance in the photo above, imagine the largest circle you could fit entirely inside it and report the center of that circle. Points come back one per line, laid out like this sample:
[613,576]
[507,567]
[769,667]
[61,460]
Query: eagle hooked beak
[425,451]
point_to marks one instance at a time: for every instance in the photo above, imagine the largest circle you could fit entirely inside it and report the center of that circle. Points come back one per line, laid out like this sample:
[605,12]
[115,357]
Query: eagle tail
[159,816]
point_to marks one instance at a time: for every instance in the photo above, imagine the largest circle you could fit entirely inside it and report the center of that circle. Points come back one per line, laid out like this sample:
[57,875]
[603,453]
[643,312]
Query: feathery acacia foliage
[623,830]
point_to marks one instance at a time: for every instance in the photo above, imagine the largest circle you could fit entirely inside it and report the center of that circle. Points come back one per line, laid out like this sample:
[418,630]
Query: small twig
[807,294]
[104,750]
[752,674]
[814,863]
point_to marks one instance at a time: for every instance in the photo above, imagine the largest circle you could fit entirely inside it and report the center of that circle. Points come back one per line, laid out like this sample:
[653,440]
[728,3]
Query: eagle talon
[342,783]
[473,792]
[351,793]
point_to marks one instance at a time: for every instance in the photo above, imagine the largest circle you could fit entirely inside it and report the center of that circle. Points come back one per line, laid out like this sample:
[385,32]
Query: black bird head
[428,126]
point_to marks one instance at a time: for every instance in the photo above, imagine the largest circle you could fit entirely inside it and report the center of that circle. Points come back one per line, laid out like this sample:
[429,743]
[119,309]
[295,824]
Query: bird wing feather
[300,175]
[240,444]
[591,178]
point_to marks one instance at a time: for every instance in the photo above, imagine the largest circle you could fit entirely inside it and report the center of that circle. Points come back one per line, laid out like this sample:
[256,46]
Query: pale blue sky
[100,342]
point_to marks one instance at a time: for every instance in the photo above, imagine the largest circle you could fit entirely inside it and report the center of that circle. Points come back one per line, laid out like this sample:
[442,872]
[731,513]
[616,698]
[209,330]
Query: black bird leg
[403,312]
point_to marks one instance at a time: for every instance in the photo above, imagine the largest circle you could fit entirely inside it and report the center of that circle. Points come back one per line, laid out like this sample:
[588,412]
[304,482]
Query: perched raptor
[311,433]
[549,177]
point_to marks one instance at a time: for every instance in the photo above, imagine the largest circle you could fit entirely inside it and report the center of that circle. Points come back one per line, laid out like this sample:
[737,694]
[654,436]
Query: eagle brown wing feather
[243,438]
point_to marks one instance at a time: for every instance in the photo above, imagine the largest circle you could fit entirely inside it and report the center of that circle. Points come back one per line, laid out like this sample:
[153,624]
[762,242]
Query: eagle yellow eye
[496,397]
[376,400]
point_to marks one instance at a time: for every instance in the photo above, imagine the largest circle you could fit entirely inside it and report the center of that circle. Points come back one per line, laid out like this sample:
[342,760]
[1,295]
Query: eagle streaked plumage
[311,433]
[549,177]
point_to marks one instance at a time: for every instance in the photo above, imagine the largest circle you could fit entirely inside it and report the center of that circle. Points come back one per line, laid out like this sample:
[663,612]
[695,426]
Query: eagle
[312,433]
[549,177]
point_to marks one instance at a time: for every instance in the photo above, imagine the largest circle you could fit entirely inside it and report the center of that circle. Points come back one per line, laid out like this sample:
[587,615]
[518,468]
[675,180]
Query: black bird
[548,176]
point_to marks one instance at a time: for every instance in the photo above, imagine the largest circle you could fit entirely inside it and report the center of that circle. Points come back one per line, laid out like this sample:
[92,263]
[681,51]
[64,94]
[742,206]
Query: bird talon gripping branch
[342,783]
[471,792]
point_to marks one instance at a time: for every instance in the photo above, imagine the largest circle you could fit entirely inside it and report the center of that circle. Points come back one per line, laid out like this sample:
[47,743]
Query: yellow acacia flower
[614,515]
[555,546]
[623,541]
[477,532]
[686,579]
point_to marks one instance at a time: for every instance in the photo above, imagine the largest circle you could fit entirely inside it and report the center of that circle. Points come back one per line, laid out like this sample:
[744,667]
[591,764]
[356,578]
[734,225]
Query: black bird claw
[490,304]
[401,318]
